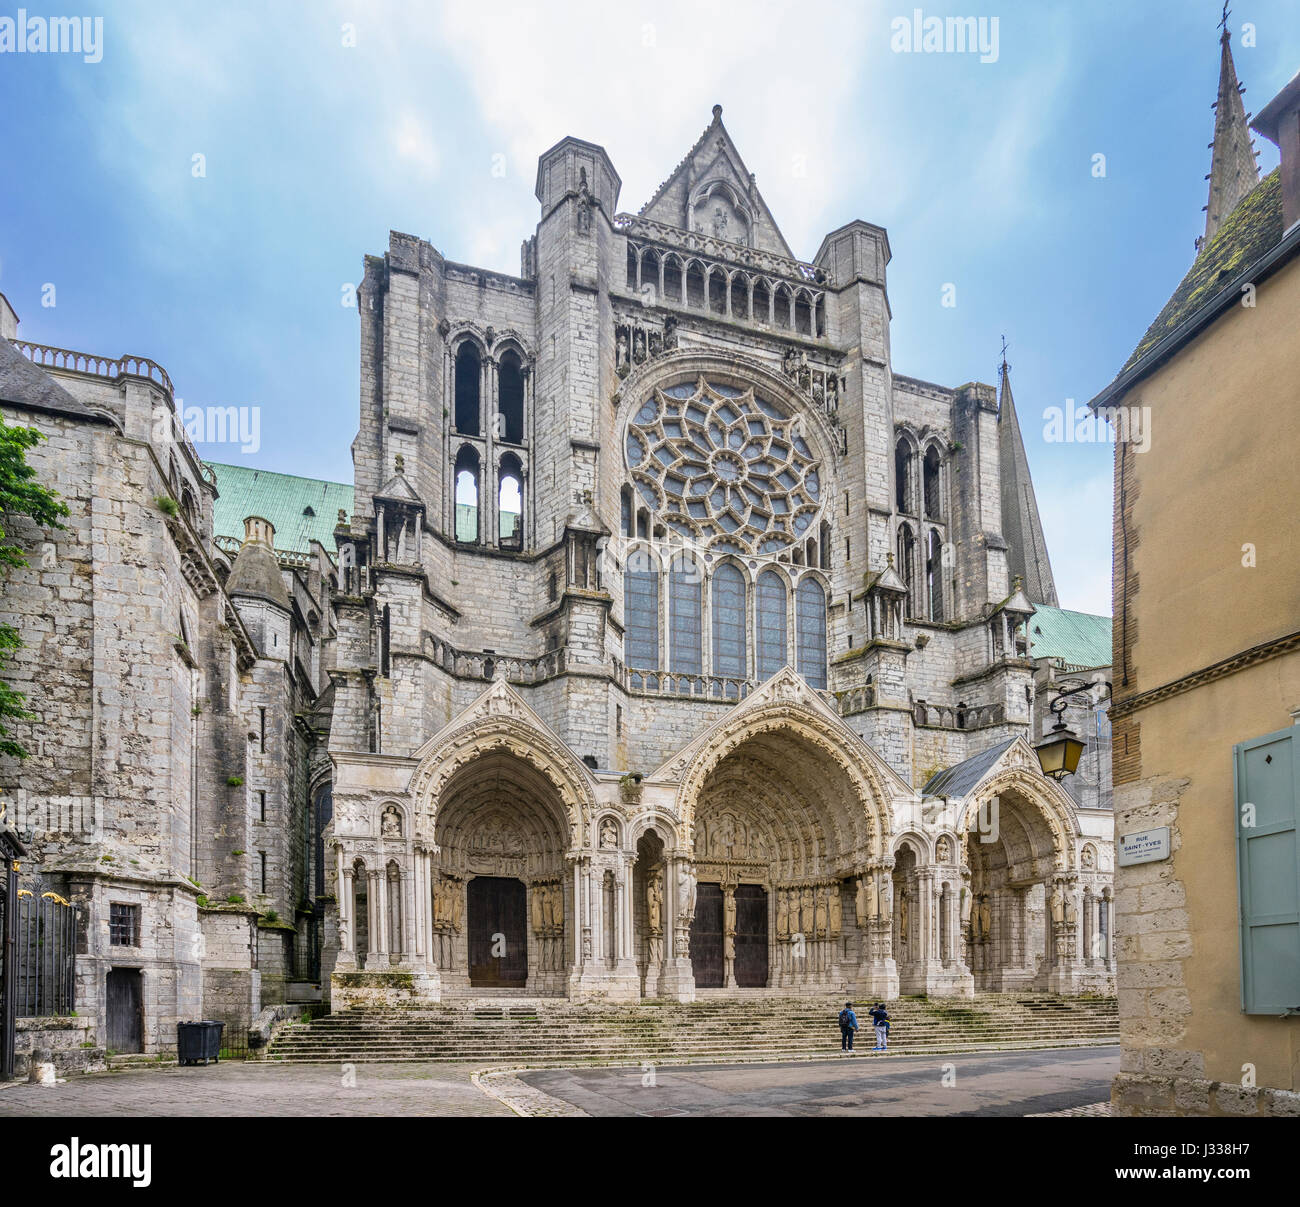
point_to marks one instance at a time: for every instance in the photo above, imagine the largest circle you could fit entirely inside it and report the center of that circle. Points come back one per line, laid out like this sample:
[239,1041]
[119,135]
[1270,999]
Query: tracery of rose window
[723,467]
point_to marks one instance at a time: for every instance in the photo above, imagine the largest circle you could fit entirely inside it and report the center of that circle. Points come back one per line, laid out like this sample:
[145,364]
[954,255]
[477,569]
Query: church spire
[1233,171]
[1021,526]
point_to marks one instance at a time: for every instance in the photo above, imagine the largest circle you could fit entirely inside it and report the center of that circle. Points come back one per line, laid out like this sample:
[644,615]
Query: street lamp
[1059,752]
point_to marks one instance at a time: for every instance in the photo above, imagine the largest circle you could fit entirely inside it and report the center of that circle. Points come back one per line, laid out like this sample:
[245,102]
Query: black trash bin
[198,1042]
[212,1039]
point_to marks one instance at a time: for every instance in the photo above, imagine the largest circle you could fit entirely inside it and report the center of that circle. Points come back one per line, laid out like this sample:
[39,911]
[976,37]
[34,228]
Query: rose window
[724,468]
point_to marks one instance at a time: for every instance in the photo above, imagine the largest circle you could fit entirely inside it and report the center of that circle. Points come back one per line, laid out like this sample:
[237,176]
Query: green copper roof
[1077,638]
[302,509]
[1253,228]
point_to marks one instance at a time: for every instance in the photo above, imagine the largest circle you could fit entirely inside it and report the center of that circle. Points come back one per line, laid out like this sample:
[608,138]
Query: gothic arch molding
[500,721]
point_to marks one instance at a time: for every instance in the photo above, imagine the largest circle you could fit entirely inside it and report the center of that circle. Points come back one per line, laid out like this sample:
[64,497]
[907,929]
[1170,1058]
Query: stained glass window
[686,651]
[728,589]
[810,622]
[770,624]
[641,614]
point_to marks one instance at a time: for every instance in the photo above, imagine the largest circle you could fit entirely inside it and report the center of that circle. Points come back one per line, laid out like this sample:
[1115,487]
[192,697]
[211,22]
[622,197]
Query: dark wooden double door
[751,937]
[125,1000]
[497,911]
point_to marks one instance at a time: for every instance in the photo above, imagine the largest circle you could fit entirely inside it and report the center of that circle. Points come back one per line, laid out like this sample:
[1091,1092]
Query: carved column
[677,979]
[347,959]
[877,975]
[729,936]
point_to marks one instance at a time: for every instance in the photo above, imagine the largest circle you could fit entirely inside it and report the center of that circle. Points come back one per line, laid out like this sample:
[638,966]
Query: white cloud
[413,142]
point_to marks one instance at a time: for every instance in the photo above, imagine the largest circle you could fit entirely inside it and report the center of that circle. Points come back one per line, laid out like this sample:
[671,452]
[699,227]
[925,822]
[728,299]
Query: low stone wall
[1142,1094]
[70,1044]
[387,989]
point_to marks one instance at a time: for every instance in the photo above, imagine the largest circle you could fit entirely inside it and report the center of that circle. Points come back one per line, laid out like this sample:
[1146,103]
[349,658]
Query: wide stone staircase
[555,1032]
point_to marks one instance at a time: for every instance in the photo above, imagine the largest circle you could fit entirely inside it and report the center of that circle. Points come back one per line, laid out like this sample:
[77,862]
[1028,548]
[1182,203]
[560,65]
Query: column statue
[654,902]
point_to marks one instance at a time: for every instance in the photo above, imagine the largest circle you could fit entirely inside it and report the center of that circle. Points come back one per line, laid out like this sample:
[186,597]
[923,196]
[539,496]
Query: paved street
[1005,1083]
[240,1088]
[1008,1084]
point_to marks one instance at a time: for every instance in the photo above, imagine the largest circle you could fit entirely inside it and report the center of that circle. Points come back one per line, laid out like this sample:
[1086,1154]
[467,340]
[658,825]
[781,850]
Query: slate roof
[302,509]
[960,778]
[29,385]
[1253,228]
[1079,639]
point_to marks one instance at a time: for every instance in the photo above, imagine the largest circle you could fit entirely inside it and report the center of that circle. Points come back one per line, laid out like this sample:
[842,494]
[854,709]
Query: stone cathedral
[669,642]
[681,640]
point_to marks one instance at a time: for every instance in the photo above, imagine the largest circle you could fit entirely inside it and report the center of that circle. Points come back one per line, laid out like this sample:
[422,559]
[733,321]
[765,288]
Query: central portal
[498,932]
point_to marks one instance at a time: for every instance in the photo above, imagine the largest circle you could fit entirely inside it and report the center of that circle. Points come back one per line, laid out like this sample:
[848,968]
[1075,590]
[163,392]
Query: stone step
[721,1029]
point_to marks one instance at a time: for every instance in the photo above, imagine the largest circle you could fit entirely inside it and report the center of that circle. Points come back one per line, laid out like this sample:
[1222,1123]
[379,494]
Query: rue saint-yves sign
[1143,846]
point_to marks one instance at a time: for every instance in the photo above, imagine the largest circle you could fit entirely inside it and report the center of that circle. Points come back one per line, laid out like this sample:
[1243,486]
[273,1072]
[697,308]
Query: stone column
[729,936]
[676,977]
[347,936]
[877,975]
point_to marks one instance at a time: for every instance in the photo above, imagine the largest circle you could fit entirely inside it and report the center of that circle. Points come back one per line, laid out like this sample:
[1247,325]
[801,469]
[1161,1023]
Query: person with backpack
[880,1021]
[848,1025]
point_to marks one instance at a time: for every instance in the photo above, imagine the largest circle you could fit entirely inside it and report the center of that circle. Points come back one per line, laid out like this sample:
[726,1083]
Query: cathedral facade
[681,642]
[667,643]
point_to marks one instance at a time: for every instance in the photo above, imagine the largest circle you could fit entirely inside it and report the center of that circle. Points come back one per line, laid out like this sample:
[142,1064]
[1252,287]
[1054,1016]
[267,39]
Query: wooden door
[706,937]
[125,1010]
[498,932]
[751,936]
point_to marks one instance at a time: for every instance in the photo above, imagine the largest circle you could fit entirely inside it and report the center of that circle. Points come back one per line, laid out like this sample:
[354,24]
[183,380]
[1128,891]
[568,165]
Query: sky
[204,193]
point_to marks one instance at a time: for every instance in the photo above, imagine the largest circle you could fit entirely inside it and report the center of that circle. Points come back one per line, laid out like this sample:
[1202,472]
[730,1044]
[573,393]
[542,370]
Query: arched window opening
[729,652]
[641,619]
[930,479]
[468,380]
[685,636]
[770,624]
[718,287]
[510,503]
[811,552]
[643,523]
[907,568]
[934,575]
[673,278]
[810,625]
[803,322]
[467,481]
[696,297]
[903,476]
[385,629]
[762,302]
[826,545]
[510,404]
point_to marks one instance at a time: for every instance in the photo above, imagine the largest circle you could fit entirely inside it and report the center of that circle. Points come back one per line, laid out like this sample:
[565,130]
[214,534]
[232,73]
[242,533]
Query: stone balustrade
[959,716]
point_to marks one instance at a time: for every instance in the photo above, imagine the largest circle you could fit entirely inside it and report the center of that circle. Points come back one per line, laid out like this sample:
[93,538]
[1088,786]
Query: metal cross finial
[1223,22]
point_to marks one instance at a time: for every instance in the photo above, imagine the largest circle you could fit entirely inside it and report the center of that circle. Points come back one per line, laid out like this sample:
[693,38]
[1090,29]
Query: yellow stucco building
[1206,713]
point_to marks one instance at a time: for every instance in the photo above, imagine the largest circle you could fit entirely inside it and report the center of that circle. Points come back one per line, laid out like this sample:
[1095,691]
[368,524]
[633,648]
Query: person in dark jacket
[880,1021]
[848,1025]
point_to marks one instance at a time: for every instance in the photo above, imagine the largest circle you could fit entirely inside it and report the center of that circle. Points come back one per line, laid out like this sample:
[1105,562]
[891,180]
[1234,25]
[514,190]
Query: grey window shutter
[1267,780]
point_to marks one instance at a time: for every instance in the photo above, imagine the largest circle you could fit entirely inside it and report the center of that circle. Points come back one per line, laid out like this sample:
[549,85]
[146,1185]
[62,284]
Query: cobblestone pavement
[993,1084]
[1096,1110]
[525,1099]
[256,1089]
